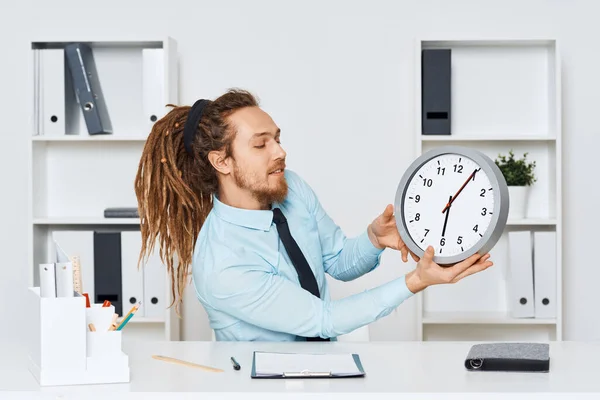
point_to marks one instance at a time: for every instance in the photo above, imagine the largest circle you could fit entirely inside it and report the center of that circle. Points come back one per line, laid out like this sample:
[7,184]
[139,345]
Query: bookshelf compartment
[481,294]
[542,194]
[79,180]
[504,88]
[120,68]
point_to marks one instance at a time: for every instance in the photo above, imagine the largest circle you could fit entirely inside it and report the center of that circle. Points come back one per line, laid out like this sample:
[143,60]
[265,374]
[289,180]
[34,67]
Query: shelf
[531,221]
[88,138]
[500,318]
[85,221]
[146,320]
[495,138]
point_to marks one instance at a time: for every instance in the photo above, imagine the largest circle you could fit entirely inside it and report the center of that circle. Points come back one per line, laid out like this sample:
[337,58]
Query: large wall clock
[455,199]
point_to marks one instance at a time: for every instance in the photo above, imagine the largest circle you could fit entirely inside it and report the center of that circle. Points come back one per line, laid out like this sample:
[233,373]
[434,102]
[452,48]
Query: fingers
[480,266]
[404,251]
[462,266]
[388,213]
[428,255]
[414,256]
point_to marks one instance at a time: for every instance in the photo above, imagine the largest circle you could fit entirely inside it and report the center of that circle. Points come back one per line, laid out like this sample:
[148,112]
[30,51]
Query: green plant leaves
[517,172]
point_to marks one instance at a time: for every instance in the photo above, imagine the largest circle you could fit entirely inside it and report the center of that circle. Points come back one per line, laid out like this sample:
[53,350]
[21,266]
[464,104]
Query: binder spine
[107,269]
[436,91]
[86,82]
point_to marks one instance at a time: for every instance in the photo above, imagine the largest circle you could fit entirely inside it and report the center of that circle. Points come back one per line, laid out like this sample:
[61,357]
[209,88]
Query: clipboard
[309,373]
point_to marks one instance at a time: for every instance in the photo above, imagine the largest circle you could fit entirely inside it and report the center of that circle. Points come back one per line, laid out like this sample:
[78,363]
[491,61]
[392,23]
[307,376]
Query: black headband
[191,125]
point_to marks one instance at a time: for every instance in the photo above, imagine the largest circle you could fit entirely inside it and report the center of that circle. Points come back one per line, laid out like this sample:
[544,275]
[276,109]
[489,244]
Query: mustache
[280,165]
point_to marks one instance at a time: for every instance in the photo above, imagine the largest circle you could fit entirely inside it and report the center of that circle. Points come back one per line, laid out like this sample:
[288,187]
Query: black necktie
[305,274]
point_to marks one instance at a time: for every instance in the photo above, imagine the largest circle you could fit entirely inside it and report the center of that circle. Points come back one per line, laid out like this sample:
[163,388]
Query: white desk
[413,368]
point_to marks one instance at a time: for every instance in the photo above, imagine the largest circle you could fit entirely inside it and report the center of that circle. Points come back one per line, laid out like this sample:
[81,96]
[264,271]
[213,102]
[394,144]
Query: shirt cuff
[394,292]
[366,247]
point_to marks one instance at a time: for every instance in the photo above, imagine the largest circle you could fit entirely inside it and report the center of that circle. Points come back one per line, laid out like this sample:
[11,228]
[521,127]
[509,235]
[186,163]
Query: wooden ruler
[77,284]
[186,363]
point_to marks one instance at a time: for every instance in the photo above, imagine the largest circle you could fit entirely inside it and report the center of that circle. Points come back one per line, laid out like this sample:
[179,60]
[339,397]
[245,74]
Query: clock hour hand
[446,219]
[460,190]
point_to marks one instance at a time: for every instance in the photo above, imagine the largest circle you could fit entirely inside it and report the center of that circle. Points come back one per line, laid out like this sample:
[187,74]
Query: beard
[260,188]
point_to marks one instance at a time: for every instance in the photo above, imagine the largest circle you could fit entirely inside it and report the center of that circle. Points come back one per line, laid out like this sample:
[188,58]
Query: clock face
[449,203]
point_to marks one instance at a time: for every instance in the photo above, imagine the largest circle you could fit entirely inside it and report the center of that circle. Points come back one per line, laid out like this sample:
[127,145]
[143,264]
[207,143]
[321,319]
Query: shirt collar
[254,219]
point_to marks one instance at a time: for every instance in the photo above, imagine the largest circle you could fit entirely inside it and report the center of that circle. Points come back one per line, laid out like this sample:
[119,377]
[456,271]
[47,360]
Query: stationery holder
[62,350]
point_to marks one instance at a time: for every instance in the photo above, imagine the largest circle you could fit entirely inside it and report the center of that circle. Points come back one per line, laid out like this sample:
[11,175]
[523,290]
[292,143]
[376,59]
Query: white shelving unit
[506,94]
[74,176]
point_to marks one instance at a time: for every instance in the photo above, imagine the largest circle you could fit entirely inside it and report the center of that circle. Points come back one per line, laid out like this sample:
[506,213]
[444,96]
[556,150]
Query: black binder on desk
[86,82]
[514,357]
[270,365]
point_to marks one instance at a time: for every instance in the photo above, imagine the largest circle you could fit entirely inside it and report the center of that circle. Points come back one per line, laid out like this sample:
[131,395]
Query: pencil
[134,308]
[130,314]
[186,363]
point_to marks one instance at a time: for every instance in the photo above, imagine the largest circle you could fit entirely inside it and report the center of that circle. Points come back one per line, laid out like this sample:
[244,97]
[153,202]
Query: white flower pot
[519,196]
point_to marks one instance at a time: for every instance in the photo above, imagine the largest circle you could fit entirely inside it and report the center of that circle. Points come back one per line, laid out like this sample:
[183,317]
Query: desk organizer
[62,350]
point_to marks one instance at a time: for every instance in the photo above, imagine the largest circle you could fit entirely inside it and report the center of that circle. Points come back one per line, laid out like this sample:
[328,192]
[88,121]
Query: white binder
[47,280]
[544,262]
[132,277]
[520,275]
[153,79]
[52,110]
[36,91]
[80,244]
[64,279]
[154,286]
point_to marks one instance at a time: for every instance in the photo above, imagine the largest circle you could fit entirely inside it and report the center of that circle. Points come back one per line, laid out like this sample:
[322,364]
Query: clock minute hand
[459,190]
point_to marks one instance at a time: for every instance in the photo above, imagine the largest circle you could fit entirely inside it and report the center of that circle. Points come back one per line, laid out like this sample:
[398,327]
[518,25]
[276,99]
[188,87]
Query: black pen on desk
[236,366]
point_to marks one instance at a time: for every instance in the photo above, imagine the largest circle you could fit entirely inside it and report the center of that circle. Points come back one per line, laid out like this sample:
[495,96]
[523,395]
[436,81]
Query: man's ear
[219,161]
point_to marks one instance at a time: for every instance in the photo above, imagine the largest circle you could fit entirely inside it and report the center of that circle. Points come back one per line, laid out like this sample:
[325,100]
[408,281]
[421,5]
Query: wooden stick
[113,323]
[92,327]
[186,363]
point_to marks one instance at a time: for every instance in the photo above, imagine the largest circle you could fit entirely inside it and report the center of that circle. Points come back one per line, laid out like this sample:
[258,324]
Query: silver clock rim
[501,206]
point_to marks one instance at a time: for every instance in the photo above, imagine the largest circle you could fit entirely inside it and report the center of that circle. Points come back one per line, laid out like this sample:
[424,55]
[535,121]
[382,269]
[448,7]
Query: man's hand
[384,233]
[428,273]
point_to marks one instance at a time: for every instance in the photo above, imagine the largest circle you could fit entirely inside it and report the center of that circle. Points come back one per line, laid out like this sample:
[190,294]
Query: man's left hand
[384,233]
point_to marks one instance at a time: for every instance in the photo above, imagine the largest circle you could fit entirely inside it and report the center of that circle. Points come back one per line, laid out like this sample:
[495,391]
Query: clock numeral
[442,242]
[427,182]
[417,198]
[417,216]
[484,211]
[459,240]
[441,170]
[458,168]
[482,193]
[426,232]
[476,228]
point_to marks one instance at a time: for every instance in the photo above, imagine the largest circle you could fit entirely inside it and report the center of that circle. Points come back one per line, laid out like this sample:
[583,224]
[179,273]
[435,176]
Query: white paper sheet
[268,363]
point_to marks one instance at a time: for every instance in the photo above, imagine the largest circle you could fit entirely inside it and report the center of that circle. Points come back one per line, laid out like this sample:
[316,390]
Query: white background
[337,76]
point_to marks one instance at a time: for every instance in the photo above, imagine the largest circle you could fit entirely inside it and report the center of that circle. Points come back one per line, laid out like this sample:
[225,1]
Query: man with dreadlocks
[213,190]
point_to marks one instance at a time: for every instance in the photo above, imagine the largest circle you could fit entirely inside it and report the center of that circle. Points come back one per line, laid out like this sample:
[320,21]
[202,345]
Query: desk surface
[397,367]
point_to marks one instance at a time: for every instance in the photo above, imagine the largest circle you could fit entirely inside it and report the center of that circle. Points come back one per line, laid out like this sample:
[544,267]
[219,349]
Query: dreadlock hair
[174,190]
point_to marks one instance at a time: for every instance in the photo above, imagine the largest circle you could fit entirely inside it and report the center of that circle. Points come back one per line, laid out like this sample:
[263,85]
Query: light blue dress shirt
[250,290]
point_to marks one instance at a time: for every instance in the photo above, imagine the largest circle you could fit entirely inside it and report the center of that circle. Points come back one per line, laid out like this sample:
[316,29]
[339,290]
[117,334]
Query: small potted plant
[519,177]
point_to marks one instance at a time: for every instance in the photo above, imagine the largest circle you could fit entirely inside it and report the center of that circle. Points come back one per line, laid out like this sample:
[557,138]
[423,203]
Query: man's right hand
[428,273]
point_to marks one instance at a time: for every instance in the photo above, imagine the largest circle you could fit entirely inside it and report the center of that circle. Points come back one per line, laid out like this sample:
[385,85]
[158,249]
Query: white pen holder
[62,349]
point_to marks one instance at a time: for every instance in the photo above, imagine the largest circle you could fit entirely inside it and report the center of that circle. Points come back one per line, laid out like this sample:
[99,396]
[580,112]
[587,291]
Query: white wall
[337,77]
